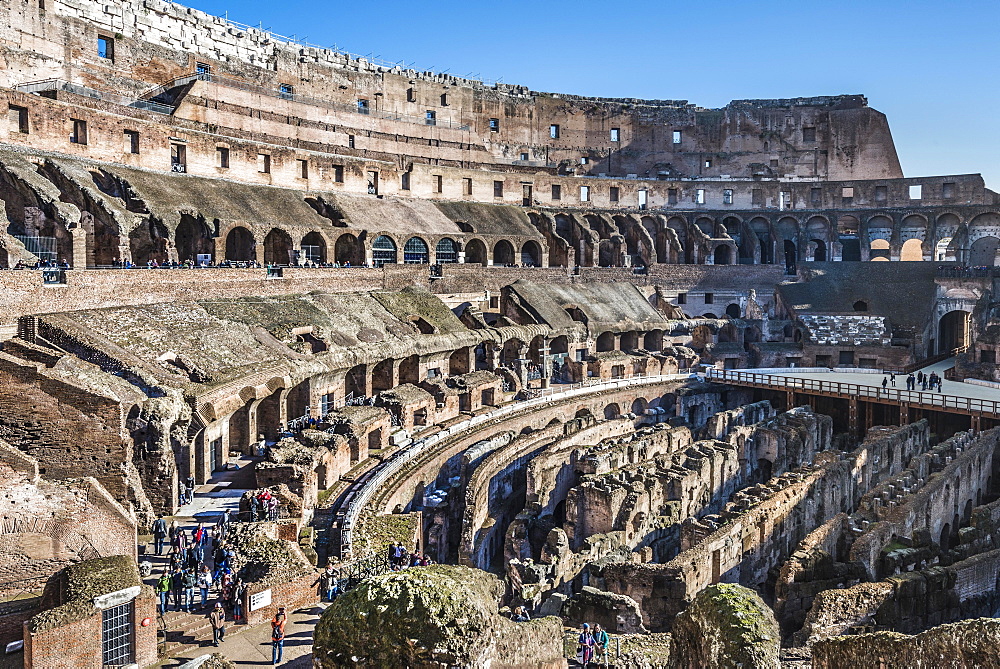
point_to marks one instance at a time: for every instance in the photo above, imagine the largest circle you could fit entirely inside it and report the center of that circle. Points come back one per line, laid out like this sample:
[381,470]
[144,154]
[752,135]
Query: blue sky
[931,67]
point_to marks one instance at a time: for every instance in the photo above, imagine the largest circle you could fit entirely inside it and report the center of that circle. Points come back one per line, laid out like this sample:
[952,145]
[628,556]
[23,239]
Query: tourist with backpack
[163,590]
[278,635]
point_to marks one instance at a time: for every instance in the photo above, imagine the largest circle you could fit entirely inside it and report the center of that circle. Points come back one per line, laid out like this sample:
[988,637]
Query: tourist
[189,484]
[254,508]
[163,590]
[272,509]
[218,619]
[601,642]
[520,615]
[892,380]
[585,652]
[327,582]
[278,635]
[177,583]
[159,533]
[885,382]
[204,583]
[236,601]
[911,382]
[190,583]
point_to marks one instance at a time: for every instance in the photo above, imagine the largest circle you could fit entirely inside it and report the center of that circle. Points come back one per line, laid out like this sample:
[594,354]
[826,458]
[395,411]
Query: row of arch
[613,240]
[194,239]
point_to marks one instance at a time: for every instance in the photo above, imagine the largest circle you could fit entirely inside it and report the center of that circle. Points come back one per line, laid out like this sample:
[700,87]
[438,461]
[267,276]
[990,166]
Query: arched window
[446,251]
[861,305]
[415,251]
[383,251]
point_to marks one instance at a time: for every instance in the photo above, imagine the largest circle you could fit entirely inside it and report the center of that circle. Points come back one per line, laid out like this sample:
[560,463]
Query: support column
[904,414]
[789,400]
[852,416]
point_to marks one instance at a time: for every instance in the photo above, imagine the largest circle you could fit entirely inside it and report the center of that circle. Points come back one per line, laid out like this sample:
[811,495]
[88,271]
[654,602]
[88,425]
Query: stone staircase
[186,631]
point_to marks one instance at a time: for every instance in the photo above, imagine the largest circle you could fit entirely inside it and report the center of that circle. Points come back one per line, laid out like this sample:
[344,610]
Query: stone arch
[679,227]
[953,330]
[912,249]
[653,340]
[192,238]
[850,243]
[277,247]
[446,251]
[475,252]
[761,229]
[531,254]
[415,252]
[723,255]
[149,241]
[733,310]
[240,245]
[313,247]
[706,225]
[639,405]
[503,253]
[661,245]
[612,411]
[606,342]
[879,249]
[818,239]
[791,256]
[383,251]
[348,251]
[983,251]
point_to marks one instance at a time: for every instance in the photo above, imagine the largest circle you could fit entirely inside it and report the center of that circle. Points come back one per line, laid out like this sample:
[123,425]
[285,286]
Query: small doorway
[526,195]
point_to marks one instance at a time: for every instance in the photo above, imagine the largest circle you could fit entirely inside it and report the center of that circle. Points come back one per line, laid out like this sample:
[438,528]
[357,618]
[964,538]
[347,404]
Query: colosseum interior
[636,363]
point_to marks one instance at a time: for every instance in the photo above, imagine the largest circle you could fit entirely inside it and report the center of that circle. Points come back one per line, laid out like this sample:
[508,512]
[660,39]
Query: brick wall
[294,594]
[77,645]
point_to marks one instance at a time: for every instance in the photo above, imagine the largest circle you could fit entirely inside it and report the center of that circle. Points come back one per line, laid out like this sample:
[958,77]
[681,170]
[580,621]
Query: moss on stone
[429,617]
[727,626]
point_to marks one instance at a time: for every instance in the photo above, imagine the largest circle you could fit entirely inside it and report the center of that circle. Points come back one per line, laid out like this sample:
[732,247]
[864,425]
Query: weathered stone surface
[614,612]
[430,617]
[965,645]
[727,626]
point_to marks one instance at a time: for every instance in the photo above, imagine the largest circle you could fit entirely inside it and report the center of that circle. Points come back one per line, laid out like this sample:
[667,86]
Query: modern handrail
[916,397]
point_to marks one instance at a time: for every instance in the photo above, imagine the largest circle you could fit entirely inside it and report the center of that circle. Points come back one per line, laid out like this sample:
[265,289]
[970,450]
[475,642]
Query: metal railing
[952,272]
[295,97]
[930,400]
[49,85]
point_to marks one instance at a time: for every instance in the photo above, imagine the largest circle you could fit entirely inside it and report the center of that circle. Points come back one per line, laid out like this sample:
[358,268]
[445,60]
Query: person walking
[327,582]
[236,599]
[163,590]
[159,533]
[885,382]
[204,583]
[278,635]
[218,619]
[190,583]
[892,381]
[177,583]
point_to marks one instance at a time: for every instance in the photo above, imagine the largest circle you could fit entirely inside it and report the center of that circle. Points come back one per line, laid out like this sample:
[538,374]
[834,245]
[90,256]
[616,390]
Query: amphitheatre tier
[626,355]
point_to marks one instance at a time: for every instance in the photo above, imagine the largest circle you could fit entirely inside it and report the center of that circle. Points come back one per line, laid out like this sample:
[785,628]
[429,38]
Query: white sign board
[259,600]
[115,598]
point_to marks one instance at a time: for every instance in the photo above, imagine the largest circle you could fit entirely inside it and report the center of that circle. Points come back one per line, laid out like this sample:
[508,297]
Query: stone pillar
[79,259]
